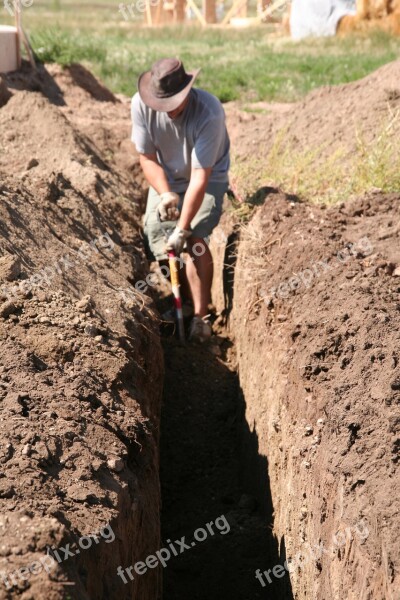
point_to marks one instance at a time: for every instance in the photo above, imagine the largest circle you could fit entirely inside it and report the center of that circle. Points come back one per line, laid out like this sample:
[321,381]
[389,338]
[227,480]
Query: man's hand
[168,207]
[177,239]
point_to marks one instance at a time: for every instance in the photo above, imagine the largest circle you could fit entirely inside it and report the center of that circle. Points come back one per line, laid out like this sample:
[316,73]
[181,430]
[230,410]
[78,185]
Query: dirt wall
[315,314]
[81,366]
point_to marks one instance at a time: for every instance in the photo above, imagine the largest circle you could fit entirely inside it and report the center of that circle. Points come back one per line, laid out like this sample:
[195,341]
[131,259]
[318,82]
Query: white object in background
[9,55]
[318,18]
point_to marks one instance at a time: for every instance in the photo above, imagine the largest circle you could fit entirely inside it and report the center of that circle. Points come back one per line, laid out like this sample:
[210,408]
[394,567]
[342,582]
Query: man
[181,136]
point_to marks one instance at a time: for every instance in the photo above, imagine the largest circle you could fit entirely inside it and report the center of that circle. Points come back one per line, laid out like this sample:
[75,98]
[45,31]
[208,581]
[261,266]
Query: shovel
[175,283]
[176,290]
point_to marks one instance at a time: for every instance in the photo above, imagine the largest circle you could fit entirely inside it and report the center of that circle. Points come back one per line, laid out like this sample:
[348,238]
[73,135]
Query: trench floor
[211,472]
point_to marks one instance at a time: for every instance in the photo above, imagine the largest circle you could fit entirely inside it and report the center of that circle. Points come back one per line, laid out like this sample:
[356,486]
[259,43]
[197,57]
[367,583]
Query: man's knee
[197,246]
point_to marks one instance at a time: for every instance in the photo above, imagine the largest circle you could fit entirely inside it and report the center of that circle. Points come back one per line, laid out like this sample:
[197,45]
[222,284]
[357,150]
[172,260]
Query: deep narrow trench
[210,470]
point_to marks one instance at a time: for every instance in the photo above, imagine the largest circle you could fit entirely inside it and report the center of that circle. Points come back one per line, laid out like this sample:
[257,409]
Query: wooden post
[271,8]
[168,11]
[158,12]
[209,11]
[197,12]
[242,13]
[232,12]
[149,15]
[22,35]
[180,11]
[18,25]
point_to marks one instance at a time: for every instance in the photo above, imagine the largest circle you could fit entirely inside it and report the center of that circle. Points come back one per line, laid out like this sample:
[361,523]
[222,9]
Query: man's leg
[199,270]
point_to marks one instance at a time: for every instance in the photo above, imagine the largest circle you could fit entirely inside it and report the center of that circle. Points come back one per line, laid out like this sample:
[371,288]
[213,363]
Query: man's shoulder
[140,111]
[209,102]
[137,103]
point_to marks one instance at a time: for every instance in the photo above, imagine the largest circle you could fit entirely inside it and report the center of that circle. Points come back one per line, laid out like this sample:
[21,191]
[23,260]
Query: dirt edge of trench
[81,366]
[311,297]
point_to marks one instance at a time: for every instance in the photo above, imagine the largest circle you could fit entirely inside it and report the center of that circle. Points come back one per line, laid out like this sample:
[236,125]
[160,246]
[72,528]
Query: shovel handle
[176,290]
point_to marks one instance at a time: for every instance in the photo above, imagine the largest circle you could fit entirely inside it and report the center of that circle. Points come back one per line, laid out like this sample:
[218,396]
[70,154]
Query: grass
[249,65]
[375,164]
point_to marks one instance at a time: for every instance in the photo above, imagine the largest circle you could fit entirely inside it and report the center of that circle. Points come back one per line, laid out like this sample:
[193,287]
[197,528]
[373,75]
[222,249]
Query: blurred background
[245,50]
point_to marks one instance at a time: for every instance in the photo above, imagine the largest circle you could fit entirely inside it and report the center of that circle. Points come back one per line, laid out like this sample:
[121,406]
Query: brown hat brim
[163,104]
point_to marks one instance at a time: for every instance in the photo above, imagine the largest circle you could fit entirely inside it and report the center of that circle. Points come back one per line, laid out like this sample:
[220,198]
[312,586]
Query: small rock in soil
[116,464]
[10,267]
[91,330]
[32,163]
[84,304]
[26,450]
[7,309]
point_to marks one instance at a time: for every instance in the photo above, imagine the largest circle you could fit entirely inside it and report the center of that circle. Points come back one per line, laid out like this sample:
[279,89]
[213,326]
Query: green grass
[250,65]
[246,65]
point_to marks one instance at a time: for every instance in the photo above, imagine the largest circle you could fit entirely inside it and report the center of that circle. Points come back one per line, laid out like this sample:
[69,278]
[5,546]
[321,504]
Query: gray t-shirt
[197,139]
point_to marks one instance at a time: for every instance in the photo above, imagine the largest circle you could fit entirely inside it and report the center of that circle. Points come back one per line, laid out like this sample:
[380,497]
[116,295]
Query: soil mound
[96,113]
[80,363]
[328,119]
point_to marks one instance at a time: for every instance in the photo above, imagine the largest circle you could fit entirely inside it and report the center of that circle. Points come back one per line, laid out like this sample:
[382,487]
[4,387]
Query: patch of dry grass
[375,164]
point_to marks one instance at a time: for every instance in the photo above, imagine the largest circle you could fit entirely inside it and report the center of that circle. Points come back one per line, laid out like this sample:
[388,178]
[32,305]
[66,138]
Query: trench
[212,472]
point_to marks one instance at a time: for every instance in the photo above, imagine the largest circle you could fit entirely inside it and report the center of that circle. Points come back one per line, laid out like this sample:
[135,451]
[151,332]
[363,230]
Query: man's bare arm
[154,173]
[194,196]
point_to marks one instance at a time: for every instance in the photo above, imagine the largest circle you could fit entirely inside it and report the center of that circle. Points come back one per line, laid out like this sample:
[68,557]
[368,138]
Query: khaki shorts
[206,219]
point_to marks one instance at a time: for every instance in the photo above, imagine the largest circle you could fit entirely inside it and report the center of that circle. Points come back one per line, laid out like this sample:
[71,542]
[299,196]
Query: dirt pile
[81,365]
[327,120]
[315,314]
[102,118]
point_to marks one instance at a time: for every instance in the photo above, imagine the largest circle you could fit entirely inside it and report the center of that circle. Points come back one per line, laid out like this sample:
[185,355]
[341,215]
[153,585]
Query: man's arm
[154,173]
[194,196]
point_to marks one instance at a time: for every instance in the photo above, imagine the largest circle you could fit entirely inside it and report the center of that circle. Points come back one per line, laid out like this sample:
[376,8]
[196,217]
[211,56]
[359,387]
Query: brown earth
[81,363]
[315,321]
[328,119]
[291,434]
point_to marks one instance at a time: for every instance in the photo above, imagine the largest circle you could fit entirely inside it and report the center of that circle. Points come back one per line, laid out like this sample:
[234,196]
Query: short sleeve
[208,143]
[140,134]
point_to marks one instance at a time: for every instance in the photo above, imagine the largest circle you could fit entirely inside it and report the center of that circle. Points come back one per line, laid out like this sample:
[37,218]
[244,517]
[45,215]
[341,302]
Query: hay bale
[373,14]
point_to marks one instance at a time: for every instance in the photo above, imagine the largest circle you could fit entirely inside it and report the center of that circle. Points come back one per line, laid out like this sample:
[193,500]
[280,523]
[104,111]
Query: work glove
[168,207]
[177,239]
